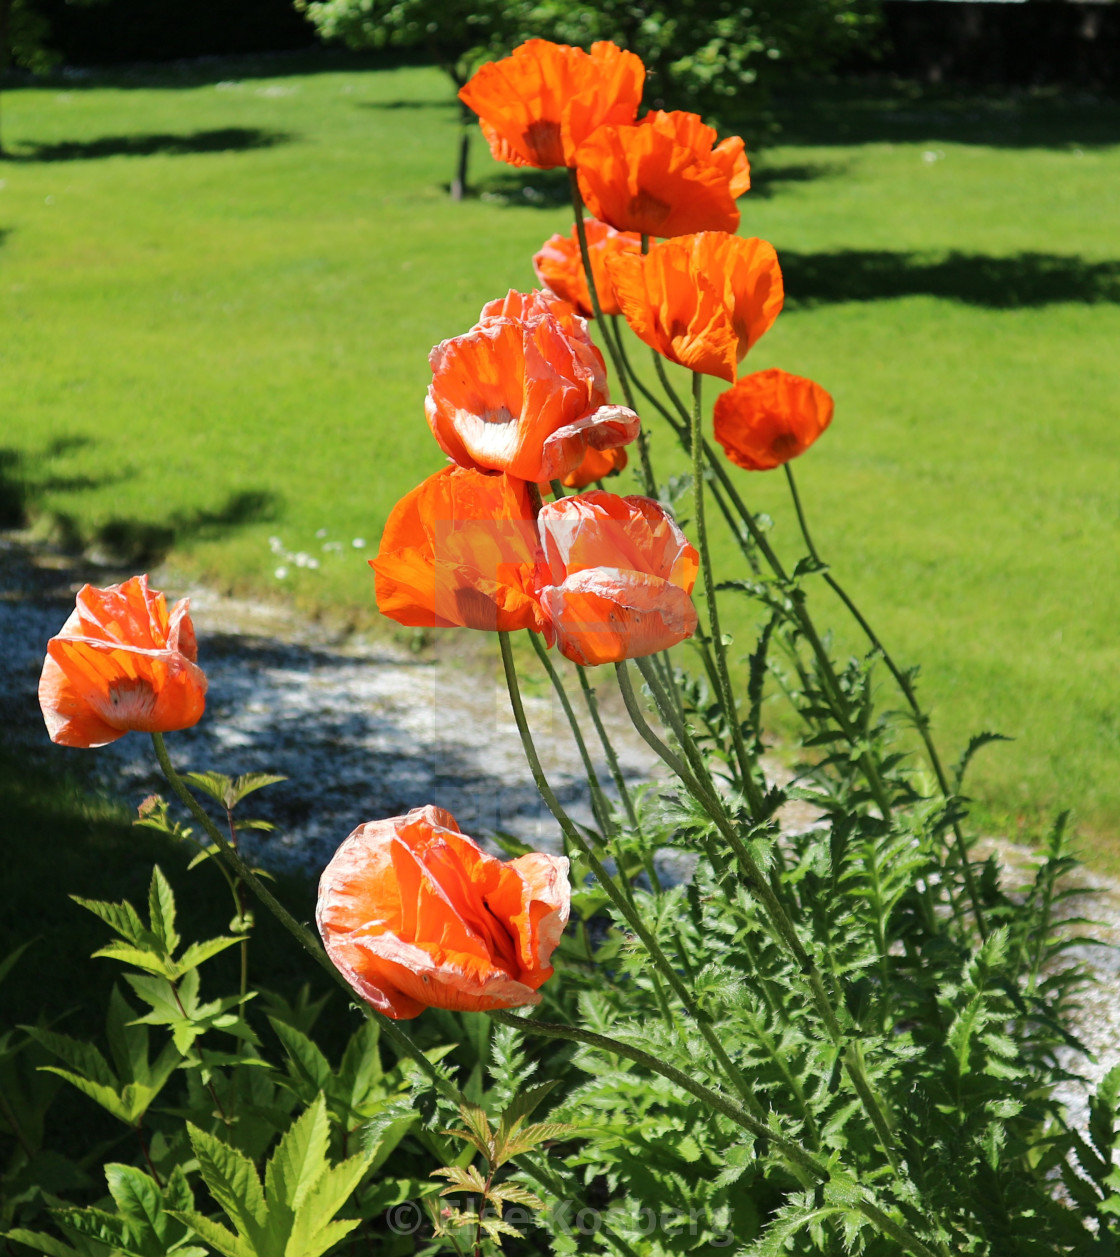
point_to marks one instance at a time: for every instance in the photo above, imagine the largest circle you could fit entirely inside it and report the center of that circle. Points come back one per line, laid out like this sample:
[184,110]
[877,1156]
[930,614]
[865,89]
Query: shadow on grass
[767,180]
[223,140]
[1000,283]
[27,478]
[443,103]
[538,189]
[869,110]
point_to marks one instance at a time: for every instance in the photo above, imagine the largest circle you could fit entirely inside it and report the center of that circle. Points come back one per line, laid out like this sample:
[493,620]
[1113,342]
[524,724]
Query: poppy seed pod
[416,915]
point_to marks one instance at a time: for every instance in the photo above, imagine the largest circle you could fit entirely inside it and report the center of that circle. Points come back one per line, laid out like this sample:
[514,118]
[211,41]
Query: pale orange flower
[559,265]
[540,103]
[121,663]
[461,549]
[770,417]
[416,915]
[701,301]
[619,576]
[524,392]
[663,176]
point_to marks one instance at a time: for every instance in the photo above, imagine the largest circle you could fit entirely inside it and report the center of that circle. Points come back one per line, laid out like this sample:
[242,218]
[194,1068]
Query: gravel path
[364,730]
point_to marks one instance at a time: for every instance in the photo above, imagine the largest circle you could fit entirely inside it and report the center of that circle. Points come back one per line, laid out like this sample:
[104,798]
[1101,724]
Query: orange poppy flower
[619,575]
[559,265]
[416,915]
[461,549]
[120,663]
[525,396]
[662,176]
[702,300]
[526,307]
[770,417]
[596,465]
[540,103]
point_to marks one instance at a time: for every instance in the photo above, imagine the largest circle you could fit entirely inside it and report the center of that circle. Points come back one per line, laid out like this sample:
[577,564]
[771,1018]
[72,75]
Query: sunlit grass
[218,300]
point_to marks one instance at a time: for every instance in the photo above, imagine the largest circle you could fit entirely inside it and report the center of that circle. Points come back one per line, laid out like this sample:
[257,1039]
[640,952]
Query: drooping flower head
[619,576]
[524,392]
[539,104]
[770,417]
[461,549]
[121,663]
[559,265]
[663,176]
[701,300]
[415,915]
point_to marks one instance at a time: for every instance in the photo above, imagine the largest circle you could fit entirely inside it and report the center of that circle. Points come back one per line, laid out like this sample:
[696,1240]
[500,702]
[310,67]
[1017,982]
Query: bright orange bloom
[596,465]
[540,103]
[662,176]
[620,573]
[524,392]
[703,300]
[121,663]
[559,265]
[415,915]
[461,549]
[770,417]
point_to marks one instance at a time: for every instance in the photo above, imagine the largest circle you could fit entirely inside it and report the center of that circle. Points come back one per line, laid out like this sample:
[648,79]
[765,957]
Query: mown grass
[219,296]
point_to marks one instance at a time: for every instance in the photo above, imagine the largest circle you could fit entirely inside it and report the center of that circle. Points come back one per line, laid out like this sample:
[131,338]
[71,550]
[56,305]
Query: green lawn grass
[218,299]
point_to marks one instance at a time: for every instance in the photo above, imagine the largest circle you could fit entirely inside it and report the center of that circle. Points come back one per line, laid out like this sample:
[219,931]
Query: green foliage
[294,1213]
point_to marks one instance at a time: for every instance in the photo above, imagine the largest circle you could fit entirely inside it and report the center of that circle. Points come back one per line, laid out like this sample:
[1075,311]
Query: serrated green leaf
[233,1183]
[107,1097]
[216,1235]
[249,782]
[12,958]
[307,1063]
[466,1177]
[300,1158]
[121,917]
[197,953]
[314,1232]
[161,911]
[40,1242]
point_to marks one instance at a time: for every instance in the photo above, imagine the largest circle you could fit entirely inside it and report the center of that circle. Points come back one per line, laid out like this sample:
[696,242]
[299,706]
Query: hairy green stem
[921,719]
[625,909]
[612,348]
[746,767]
[721,1104]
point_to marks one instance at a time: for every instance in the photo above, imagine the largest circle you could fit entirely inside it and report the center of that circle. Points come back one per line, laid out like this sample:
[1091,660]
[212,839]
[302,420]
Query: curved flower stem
[635,378]
[779,919]
[628,913]
[598,801]
[608,749]
[746,767]
[721,1104]
[713,1099]
[303,936]
[921,719]
[612,348]
[670,391]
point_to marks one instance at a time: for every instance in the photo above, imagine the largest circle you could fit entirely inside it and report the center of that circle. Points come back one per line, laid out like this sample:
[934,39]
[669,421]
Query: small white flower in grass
[281,572]
[359,543]
[321,532]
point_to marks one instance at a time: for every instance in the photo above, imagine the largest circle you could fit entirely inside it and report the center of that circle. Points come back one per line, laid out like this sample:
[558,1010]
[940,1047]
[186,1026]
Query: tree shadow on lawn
[223,140]
[1000,283]
[26,478]
[872,110]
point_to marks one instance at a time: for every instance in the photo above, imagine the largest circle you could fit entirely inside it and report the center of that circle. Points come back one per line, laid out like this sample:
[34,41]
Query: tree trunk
[459,186]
